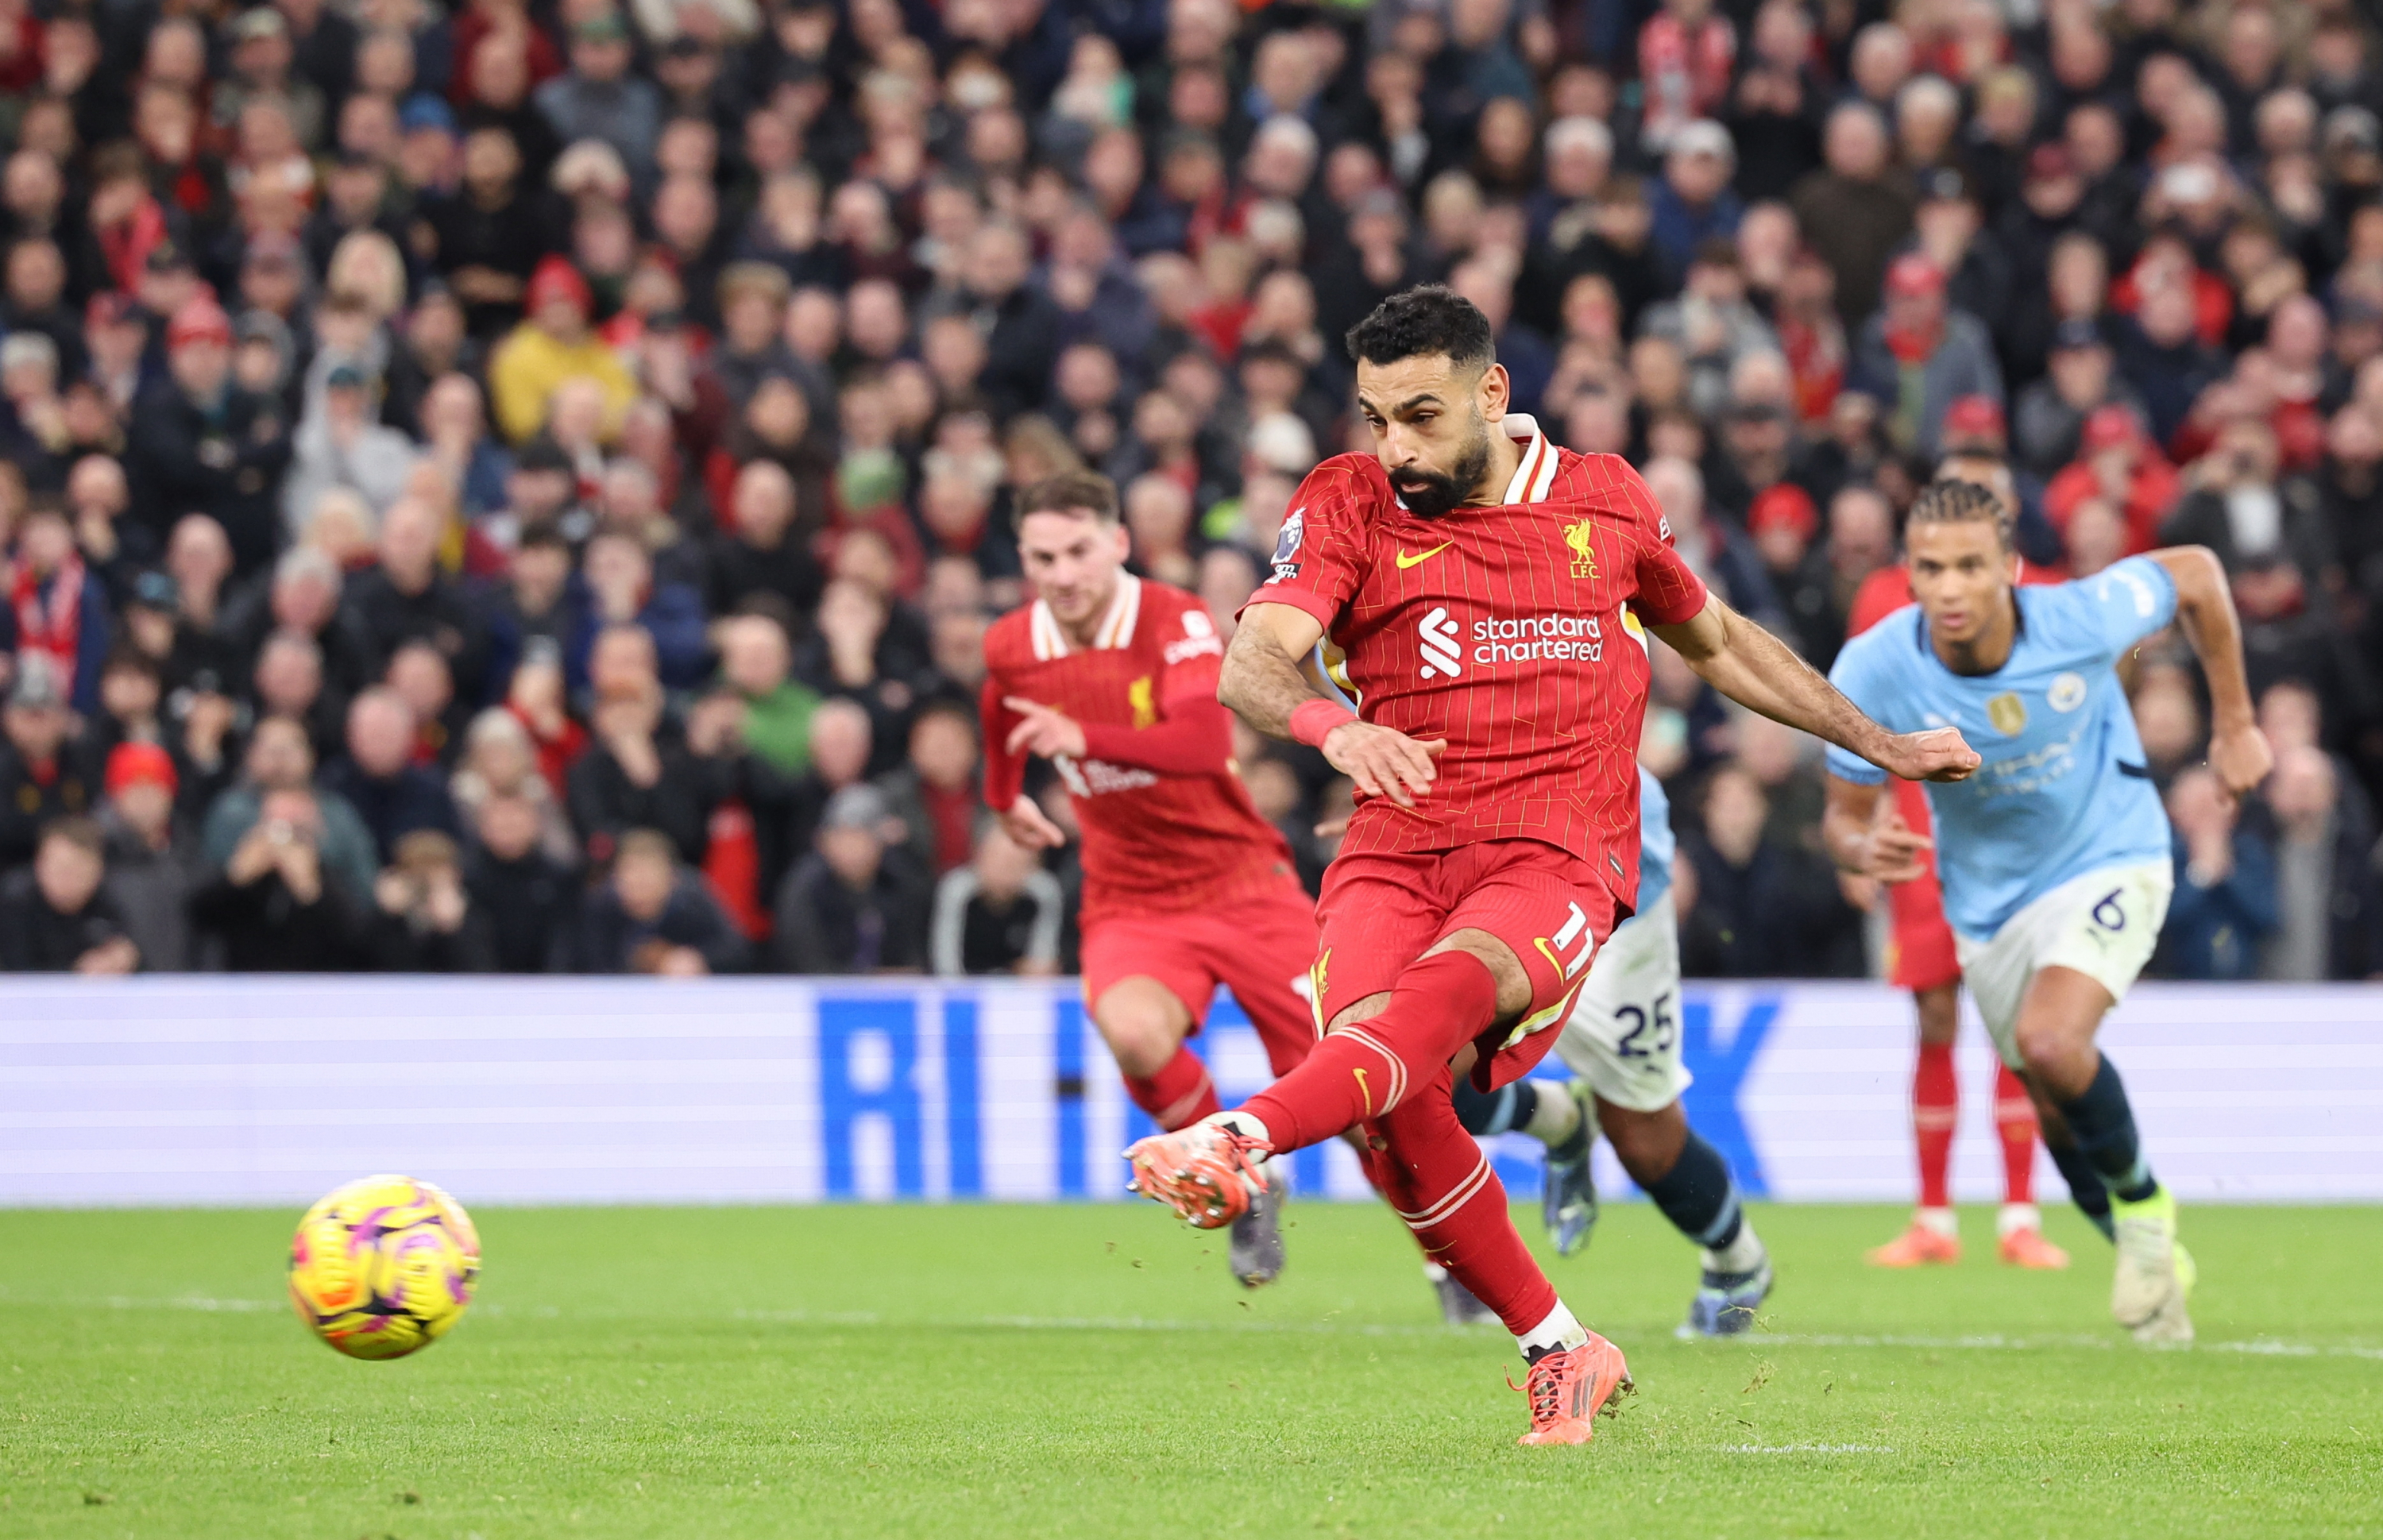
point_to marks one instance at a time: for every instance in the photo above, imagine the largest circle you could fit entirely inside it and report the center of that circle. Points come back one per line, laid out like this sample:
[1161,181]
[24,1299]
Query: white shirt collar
[1115,628]
[1537,473]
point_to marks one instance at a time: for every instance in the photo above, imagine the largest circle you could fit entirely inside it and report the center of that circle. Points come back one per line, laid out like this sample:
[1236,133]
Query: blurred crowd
[523,487]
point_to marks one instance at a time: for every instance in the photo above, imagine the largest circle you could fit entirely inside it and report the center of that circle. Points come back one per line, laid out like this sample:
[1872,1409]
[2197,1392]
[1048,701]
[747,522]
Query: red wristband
[1313,721]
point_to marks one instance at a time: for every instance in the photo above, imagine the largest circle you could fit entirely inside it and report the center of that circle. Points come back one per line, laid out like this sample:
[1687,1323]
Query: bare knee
[1940,1013]
[1648,1144]
[1364,1009]
[1142,1023]
[1513,980]
[2057,1060]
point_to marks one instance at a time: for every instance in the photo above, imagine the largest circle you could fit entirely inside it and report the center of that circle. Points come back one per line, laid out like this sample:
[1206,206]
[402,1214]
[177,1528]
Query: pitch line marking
[2261,1347]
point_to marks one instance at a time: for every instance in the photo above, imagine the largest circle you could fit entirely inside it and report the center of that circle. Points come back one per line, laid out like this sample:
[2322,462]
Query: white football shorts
[1624,1034]
[2103,924]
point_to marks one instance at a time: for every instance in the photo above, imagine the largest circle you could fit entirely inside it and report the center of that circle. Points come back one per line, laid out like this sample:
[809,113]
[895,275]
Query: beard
[1430,493]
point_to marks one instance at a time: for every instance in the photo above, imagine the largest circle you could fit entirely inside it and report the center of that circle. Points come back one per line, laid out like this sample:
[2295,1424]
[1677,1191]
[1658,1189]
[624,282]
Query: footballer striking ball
[383,1266]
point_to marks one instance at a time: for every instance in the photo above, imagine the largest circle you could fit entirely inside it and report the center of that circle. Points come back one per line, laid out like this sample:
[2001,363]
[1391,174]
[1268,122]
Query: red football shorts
[1380,911]
[1258,943]
[1919,943]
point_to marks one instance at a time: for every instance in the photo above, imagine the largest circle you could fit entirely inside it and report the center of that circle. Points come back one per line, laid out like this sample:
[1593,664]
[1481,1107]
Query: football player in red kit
[1920,958]
[1113,679]
[1471,578]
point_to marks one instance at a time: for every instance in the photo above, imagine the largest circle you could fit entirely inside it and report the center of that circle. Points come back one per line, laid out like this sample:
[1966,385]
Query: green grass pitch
[1090,1371]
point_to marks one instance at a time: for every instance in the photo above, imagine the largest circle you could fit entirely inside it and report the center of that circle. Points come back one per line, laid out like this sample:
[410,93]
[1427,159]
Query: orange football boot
[1208,1173]
[2026,1247]
[1918,1247]
[1568,1390]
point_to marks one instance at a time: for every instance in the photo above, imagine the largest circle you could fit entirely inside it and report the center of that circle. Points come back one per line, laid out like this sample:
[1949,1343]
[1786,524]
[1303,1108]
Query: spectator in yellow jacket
[554,344]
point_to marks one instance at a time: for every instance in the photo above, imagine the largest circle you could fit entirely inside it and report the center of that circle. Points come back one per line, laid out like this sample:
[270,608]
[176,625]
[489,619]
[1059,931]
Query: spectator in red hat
[1975,432]
[151,863]
[1918,356]
[1785,522]
[552,344]
[206,446]
[2116,462]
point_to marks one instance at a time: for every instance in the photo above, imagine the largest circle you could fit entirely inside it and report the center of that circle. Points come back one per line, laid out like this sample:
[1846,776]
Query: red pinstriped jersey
[1503,631]
[1152,842]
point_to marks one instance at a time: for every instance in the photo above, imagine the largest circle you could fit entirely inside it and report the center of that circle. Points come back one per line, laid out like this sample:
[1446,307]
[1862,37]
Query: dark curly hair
[1430,318]
[1951,501]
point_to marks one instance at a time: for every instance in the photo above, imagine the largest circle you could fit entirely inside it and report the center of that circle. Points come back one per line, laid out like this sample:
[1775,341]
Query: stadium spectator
[653,916]
[423,922]
[2225,903]
[1853,210]
[152,865]
[407,596]
[1919,356]
[2244,510]
[935,793]
[2329,903]
[57,916]
[339,443]
[1714,548]
[379,775]
[272,907]
[598,98]
[46,765]
[2117,465]
[1763,908]
[999,913]
[206,445]
[522,902]
[501,759]
[854,905]
[58,605]
[552,346]
[2048,423]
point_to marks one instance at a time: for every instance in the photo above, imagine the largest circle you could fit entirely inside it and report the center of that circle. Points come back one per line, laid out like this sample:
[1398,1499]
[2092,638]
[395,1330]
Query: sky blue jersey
[2064,788]
[1655,843]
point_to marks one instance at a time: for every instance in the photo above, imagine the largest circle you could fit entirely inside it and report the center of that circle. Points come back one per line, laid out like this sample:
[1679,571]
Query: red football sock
[1935,1110]
[2015,1121]
[1437,1179]
[1180,1094]
[1359,1073]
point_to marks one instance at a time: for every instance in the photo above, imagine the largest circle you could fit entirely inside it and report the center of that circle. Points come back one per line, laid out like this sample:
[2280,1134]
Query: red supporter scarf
[126,247]
[1913,346]
[51,627]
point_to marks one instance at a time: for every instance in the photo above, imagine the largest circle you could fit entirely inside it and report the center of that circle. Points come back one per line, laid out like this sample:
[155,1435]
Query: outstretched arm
[2205,611]
[1262,681]
[1755,668]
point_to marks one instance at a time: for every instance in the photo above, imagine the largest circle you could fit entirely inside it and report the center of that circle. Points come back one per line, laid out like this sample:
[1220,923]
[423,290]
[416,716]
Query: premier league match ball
[383,1266]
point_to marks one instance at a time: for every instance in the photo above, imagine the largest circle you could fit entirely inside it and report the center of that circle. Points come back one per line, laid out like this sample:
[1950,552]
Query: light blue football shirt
[1655,843]
[2064,789]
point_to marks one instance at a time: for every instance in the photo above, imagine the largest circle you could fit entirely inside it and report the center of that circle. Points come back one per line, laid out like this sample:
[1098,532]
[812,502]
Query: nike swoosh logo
[1405,560]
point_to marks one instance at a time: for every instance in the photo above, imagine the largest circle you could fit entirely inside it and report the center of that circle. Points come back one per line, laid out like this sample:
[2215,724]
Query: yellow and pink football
[383,1266]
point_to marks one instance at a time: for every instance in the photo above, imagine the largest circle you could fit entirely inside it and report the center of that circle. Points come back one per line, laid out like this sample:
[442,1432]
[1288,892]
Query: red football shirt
[1166,824]
[1501,630]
